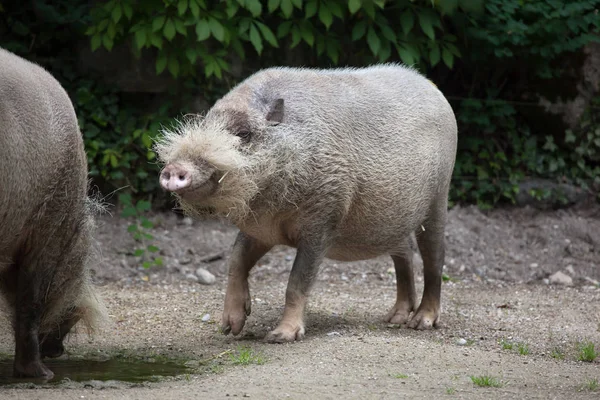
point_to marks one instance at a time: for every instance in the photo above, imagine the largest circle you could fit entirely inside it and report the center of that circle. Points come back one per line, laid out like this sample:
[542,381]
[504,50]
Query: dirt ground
[498,292]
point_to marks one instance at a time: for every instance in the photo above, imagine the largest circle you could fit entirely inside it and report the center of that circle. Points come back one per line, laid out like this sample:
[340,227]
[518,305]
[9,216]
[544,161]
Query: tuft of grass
[399,376]
[592,385]
[523,349]
[557,354]
[506,345]
[246,356]
[486,381]
[450,390]
[216,369]
[587,352]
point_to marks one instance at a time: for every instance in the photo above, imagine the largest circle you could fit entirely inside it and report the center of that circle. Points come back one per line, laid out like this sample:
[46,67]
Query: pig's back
[391,134]
[41,149]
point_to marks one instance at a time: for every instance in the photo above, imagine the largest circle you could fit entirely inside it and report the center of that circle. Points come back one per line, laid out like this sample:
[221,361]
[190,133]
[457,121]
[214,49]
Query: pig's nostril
[181,177]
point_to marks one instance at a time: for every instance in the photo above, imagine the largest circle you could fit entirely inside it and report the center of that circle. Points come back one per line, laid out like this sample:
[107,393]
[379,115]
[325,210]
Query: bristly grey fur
[354,161]
[46,217]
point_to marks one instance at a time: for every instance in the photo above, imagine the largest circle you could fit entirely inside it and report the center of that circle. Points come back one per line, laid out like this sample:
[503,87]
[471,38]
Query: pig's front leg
[246,253]
[302,276]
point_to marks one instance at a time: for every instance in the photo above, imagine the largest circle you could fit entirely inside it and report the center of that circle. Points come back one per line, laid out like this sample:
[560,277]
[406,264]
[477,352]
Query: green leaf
[311,9]
[354,6]
[297,4]
[140,38]
[255,39]
[143,205]
[202,30]
[254,7]
[407,21]
[182,6]
[158,261]
[169,29]
[453,49]
[125,198]
[448,58]
[388,33]
[217,29]
[307,34]
[232,8]
[359,30]
[107,42]
[385,52]
[405,55]
[133,227]
[284,28]
[128,11]
[426,25]
[287,8]
[434,55]
[180,27]
[333,51]
[156,40]
[152,249]
[96,41]
[373,41]
[273,5]
[161,62]
[448,6]
[147,224]
[267,34]
[117,13]
[191,54]
[325,15]
[139,253]
[194,8]
[158,23]
[296,37]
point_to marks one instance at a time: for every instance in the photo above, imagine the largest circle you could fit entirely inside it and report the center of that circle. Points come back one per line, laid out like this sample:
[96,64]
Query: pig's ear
[275,114]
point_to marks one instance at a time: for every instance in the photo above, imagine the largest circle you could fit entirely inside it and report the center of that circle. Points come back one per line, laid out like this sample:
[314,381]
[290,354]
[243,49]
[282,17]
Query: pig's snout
[174,178]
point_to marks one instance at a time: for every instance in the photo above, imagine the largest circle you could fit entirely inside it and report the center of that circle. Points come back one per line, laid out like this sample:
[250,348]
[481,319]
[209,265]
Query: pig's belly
[355,253]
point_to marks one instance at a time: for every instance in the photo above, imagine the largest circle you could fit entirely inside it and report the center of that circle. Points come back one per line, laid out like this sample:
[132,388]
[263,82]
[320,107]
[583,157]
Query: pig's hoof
[33,370]
[424,319]
[285,333]
[233,322]
[399,314]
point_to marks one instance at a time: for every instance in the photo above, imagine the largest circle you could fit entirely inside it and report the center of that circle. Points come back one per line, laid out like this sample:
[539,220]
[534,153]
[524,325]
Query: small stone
[546,281]
[206,318]
[570,270]
[185,261]
[191,277]
[334,333]
[188,221]
[560,278]
[592,281]
[205,277]
[289,258]
[533,265]
[461,342]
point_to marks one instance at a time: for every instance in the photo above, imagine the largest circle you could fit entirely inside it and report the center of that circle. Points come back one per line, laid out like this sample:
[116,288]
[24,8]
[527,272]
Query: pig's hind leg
[431,246]
[405,285]
[30,305]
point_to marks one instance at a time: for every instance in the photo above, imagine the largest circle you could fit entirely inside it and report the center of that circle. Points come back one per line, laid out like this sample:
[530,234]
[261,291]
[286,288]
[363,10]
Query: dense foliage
[492,59]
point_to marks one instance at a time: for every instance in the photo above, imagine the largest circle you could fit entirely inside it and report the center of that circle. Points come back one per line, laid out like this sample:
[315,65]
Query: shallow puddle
[93,370]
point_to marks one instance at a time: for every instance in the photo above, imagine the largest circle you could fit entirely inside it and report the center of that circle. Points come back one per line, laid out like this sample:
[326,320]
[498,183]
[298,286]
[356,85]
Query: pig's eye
[245,135]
